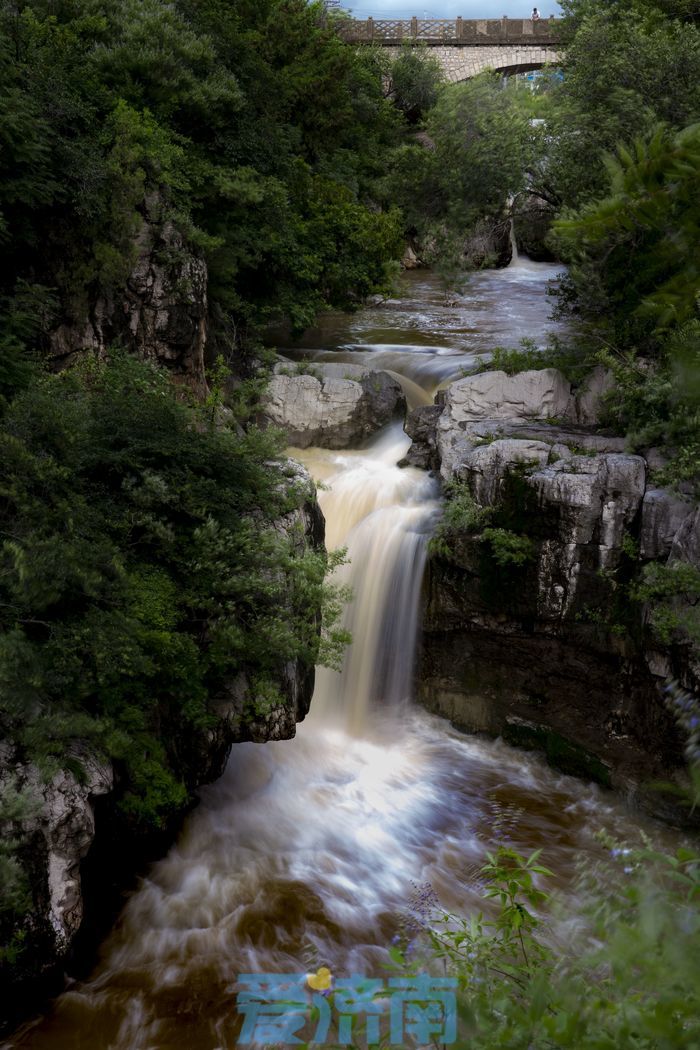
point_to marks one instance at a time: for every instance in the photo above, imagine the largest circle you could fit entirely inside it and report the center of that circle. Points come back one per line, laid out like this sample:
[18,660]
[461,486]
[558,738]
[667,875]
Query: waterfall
[381,513]
[514,244]
[306,851]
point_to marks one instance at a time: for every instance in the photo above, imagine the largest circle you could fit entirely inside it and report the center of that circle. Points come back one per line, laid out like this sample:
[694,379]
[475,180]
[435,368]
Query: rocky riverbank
[80,851]
[537,624]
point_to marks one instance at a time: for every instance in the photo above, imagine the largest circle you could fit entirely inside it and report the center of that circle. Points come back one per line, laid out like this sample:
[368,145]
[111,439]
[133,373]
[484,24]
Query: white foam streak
[306,851]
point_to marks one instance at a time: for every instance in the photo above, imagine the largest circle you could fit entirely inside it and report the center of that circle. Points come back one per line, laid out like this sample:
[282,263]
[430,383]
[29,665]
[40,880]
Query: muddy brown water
[306,852]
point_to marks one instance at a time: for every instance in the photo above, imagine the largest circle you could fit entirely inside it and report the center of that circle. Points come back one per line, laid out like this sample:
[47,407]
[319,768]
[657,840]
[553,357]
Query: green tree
[416,76]
[628,66]
[632,252]
[478,149]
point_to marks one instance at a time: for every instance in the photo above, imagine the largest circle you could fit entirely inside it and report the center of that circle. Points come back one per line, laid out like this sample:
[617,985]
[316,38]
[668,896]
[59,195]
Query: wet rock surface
[550,651]
[331,410]
[420,426]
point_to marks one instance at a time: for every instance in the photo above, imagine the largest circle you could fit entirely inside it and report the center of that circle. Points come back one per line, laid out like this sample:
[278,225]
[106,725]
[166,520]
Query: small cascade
[515,256]
[382,514]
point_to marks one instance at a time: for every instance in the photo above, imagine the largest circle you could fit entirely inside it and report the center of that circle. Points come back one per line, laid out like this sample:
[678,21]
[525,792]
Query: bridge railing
[460,31]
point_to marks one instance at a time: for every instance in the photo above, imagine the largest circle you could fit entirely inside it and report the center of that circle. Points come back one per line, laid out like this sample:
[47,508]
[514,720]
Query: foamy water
[307,851]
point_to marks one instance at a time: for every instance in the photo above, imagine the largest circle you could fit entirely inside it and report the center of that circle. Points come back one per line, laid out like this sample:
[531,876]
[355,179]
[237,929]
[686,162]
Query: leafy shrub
[573,359]
[659,586]
[508,548]
[657,402]
[416,76]
[142,569]
[621,971]
[627,975]
[462,514]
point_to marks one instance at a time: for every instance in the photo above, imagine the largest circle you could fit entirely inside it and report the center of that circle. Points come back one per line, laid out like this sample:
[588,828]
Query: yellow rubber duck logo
[321,981]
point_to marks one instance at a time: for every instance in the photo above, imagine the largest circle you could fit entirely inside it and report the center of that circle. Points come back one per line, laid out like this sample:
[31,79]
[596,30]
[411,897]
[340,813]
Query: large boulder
[330,411]
[537,394]
[421,426]
[492,397]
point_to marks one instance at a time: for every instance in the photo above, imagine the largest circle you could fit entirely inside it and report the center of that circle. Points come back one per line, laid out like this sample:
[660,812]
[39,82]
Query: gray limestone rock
[545,643]
[486,466]
[568,436]
[60,829]
[587,402]
[537,394]
[663,514]
[475,408]
[686,542]
[329,411]
[589,502]
[420,426]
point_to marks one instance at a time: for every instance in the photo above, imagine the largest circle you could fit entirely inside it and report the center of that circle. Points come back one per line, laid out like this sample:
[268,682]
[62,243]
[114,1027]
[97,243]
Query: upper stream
[306,851]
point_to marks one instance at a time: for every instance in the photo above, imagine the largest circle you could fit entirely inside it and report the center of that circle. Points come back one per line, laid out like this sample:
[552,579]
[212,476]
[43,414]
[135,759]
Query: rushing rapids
[307,851]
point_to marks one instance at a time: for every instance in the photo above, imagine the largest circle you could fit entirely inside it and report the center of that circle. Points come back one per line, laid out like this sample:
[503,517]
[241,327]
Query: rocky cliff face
[160,312]
[529,629]
[81,854]
[57,831]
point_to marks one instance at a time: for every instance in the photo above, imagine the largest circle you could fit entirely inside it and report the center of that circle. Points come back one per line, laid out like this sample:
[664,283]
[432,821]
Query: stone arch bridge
[466,47]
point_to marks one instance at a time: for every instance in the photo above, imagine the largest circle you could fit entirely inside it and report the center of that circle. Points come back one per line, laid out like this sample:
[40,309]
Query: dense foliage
[144,582]
[629,66]
[628,222]
[140,573]
[258,128]
[454,182]
[625,975]
[415,77]
[144,575]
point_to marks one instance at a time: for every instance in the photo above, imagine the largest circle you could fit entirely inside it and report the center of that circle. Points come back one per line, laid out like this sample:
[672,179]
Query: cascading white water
[515,254]
[306,851]
[381,513]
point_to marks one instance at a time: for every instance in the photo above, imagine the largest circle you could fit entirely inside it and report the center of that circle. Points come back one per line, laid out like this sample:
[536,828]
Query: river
[307,852]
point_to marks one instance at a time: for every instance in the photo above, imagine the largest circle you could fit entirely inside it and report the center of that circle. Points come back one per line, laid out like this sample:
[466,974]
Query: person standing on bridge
[535,15]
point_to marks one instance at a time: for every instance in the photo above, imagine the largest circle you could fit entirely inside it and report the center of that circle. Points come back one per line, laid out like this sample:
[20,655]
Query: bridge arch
[463,63]
[463,47]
